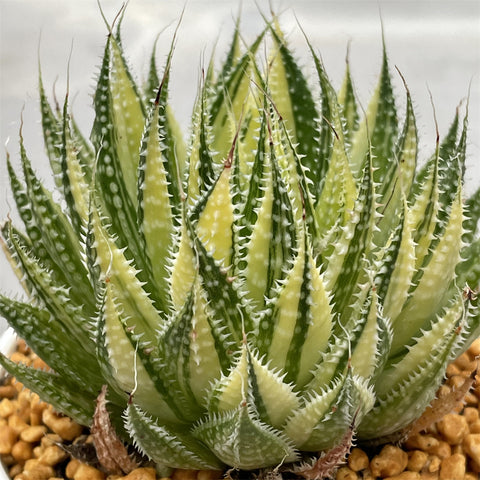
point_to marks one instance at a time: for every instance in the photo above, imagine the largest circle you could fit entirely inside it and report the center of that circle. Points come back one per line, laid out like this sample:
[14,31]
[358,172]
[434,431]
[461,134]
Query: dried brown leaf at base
[440,406]
[111,452]
[328,462]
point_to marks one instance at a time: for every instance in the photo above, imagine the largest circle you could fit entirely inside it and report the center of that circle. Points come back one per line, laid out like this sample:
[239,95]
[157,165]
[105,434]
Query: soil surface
[37,443]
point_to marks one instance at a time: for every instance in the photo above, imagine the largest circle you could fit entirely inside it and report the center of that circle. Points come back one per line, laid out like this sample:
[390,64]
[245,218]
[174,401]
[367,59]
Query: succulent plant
[288,279]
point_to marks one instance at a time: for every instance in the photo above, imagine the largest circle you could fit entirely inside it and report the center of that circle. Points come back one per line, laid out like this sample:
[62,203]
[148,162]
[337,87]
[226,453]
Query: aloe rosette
[287,279]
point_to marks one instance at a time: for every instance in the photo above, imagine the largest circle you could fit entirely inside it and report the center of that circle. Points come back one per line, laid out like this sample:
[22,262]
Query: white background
[435,44]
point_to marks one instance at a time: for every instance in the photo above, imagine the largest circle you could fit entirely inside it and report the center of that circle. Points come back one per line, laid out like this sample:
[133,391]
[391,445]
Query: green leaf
[152,84]
[213,217]
[330,126]
[111,181]
[270,248]
[337,358]
[471,223]
[9,250]
[84,151]
[336,190]
[444,150]
[165,445]
[470,329]
[428,296]
[350,261]
[171,143]
[122,283]
[128,359]
[301,321]
[383,132]
[184,268]
[238,438]
[204,363]
[201,168]
[298,182]
[52,132]
[248,202]
[371,347]
[228,316]
[450,172]
[176,345]
[70,318]
[398,266]
[53,240]
[348,104]
[73,179]
[424,215]
[378,130]
[399,176]
[43,333]
[273,398]
[326,416]
[293,99]
[231,97]
[155,205]
[128,117]
[62,393]
[468,270]
[408,384]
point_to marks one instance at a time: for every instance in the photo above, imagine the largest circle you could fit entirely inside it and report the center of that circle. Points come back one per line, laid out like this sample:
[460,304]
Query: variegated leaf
[261,445]
[167,446]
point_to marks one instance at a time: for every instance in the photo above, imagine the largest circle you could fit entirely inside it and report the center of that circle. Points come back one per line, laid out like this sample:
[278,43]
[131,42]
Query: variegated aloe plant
[287,280]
